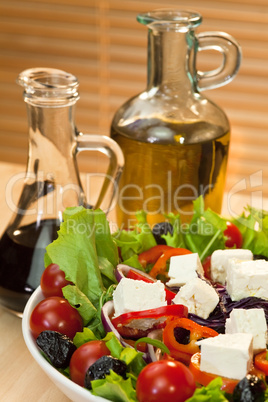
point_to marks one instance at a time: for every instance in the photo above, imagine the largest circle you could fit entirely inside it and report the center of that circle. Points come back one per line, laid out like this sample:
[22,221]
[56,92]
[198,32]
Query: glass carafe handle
[108,147]
[231,52]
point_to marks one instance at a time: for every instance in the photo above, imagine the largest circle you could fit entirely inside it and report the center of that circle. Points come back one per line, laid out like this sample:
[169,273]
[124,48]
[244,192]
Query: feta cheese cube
[200,298]
[133,295]
[183,268]
[247,278]
[251,321]
[227,355]
[220,260]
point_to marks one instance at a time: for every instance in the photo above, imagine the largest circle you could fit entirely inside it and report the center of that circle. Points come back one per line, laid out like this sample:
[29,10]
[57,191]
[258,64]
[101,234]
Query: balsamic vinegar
[22,261]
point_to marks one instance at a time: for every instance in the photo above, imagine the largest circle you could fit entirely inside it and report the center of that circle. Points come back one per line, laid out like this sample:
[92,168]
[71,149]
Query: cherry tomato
[55,314]
[53,280]
[163,381]
[234,236]
[84,357]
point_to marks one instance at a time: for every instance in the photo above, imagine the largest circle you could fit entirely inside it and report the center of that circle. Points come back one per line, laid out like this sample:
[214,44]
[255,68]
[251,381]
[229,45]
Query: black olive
[259,257]
[161,228]
[57,347]
[182,335]
[249,389]
[102,367]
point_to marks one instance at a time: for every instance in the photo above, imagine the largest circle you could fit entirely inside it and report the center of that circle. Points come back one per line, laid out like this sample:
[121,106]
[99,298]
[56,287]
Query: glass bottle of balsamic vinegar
[51,183]
[175,140]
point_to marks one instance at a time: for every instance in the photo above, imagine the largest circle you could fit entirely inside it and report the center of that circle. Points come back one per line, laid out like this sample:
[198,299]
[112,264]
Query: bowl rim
[51,371]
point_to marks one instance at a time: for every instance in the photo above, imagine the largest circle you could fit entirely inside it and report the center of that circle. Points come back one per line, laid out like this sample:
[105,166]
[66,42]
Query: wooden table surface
[21,379]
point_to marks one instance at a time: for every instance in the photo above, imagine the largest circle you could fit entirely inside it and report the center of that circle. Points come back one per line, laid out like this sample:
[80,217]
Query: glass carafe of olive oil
[175,140]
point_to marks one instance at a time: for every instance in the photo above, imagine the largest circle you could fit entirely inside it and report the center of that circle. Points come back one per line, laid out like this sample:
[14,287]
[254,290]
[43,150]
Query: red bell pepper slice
[120,322]
[207,267]
[137,276]
[185,349]
[151,255]
[261,362]
[161,264]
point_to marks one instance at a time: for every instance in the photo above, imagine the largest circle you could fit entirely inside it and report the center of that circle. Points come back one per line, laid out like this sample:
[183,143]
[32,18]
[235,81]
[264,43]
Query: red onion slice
[155,355]
[122,270]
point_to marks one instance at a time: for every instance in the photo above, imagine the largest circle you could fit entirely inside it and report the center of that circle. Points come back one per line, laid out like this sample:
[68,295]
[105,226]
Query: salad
[148,354]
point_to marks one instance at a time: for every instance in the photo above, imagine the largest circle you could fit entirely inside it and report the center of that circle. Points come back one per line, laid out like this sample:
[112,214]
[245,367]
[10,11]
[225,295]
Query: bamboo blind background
[105,47]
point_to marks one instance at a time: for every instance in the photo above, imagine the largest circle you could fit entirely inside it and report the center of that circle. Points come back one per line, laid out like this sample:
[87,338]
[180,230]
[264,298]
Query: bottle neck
[52,179]
[51,137]
[170,61]
[50,96]
[56,124]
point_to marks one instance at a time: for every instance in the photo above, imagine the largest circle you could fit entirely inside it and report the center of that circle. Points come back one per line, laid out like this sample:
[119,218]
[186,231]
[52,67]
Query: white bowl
[68,387]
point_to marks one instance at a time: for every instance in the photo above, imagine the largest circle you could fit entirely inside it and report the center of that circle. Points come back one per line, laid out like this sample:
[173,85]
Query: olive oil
[175,140]
[168,166]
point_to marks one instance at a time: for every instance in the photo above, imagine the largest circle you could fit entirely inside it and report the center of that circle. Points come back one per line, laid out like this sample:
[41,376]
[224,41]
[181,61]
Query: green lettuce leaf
[146,236]
[82,337]
[114,388]
[113,344]
[205,231]
[105,244]
[79,300]
[177,238]
[211,393]
[130,356]
[135,241]
[253,224]
[134,262]
[203,235]
[75,253]
[107,271]
[129,243]
[87,253]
